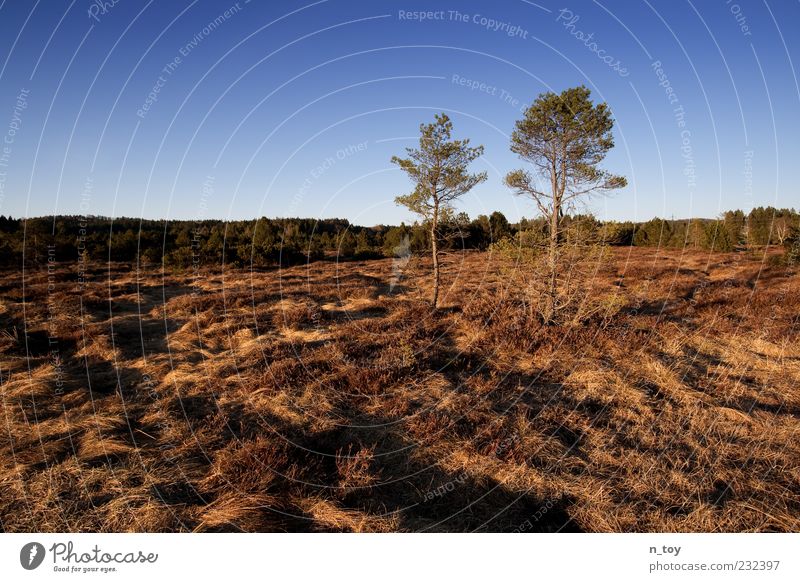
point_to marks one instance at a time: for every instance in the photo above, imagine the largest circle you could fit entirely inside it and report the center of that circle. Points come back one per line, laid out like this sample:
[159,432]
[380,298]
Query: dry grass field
[329,397]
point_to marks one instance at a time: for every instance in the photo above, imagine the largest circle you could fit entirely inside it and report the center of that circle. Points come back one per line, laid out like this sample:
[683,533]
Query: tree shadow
[416,490]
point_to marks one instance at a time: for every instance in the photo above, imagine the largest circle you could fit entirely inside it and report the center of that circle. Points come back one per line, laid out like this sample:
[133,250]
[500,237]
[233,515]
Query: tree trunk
[550,306]
[551,298]
[435,253]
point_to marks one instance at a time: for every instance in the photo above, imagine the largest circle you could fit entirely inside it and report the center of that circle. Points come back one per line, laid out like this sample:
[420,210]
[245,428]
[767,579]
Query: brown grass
[324,398]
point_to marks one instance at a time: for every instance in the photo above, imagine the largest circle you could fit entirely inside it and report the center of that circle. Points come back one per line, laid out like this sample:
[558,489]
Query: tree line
[268,242]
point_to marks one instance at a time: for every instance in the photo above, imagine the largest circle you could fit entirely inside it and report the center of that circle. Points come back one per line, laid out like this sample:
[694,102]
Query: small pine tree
[439,170]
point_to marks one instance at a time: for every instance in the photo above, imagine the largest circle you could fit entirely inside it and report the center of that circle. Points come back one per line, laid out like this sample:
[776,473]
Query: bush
[533,238]
[518,251]
[581,230]
[574,295]
[792,245]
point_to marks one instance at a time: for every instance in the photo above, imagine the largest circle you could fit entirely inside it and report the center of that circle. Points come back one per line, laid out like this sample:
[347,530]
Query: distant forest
[269,242]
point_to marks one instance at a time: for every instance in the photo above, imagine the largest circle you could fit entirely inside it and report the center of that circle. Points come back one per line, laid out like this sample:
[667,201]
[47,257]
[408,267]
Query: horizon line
[720,216]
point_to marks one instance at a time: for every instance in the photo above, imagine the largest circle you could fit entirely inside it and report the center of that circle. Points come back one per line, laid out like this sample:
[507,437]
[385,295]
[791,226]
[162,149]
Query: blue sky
[295,108]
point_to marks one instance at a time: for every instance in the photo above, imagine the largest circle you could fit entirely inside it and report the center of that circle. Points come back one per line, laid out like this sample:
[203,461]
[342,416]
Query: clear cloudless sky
[215,109]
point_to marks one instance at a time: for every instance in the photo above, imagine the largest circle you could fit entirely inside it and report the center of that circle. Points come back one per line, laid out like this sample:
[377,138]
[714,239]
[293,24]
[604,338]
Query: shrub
[527,246]
[581,230]
[792,245]
[577,266]
[354,469]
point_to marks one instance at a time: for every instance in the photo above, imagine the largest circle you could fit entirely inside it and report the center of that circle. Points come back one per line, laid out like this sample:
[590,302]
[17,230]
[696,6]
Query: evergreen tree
[438,168]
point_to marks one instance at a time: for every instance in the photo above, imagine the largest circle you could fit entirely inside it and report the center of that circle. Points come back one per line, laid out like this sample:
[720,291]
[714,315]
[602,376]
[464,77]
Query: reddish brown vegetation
[323,398]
